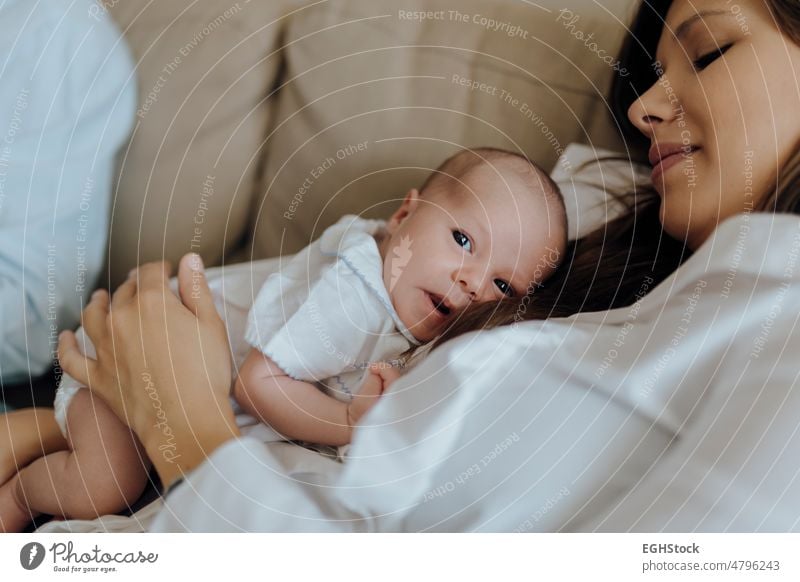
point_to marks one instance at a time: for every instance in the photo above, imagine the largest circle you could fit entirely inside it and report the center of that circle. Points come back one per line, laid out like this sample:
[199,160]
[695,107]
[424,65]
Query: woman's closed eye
[708,58]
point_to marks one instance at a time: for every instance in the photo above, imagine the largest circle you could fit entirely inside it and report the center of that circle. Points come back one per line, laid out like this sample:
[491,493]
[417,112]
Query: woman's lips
[669,161]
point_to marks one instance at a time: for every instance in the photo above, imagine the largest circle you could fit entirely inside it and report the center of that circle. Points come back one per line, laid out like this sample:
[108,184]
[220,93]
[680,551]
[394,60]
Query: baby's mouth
[439,304]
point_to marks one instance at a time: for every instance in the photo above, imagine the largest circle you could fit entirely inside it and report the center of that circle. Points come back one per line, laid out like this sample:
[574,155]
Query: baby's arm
[297,409]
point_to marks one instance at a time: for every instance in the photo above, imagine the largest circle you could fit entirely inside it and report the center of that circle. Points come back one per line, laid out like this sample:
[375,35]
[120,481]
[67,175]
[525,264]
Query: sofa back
[260,124]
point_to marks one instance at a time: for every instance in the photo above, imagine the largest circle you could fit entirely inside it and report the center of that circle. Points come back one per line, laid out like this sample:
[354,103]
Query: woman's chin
[683,230]
[676,227]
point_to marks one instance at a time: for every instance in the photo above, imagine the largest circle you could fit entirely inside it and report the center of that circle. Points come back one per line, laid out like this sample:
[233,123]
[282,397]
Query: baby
[379,289]
[327,333]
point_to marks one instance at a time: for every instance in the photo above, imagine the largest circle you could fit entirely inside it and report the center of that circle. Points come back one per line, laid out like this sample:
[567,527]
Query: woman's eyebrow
[684,26]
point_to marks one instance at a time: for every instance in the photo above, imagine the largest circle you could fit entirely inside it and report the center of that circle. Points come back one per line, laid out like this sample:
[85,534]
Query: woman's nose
[657,105]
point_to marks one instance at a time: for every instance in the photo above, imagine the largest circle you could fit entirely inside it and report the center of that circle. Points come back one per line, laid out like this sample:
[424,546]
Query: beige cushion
[186,181]
[363,73]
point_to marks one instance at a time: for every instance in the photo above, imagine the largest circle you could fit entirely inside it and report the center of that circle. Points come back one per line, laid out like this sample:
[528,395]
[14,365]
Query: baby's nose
[469,279]
[469,286]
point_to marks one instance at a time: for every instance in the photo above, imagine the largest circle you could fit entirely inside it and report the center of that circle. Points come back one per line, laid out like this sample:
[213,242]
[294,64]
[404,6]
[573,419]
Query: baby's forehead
[498,183]
[507,215]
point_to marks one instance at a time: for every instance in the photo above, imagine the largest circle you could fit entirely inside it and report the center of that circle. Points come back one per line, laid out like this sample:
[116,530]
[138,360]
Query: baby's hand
[387,373]
[379,377]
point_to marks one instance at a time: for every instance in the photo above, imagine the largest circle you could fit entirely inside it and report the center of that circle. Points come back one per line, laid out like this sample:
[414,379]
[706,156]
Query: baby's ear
[406,209]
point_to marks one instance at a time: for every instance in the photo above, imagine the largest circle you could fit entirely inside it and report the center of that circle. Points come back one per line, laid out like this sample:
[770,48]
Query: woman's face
[723,117]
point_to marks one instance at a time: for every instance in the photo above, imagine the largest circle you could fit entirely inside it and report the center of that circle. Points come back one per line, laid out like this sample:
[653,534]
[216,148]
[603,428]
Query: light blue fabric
[67,104]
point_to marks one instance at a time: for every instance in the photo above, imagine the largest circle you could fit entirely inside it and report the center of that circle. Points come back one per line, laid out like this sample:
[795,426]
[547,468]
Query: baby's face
[484,239]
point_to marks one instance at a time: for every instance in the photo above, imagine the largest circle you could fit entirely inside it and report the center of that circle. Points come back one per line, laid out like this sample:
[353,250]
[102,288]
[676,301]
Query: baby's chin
[421,331]
[420,334]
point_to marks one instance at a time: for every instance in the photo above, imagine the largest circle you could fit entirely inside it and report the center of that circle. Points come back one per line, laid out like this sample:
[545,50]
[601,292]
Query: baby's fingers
[389,375]
[373,384]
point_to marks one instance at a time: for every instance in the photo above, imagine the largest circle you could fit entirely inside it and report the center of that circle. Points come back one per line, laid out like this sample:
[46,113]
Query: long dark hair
[618,263]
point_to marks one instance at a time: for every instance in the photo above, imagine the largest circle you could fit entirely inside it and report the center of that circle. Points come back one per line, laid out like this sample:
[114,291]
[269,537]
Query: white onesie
[327,314]
[323,317]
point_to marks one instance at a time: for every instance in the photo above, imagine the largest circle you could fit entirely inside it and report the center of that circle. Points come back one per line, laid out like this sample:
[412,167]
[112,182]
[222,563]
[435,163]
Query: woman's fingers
[147,276]
[153,276]
[193,287]
[72,361]
[124,292]
[95,317]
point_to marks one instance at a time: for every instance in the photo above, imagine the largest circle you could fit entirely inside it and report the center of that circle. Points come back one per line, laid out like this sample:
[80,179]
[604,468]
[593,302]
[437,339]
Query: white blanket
[677,414]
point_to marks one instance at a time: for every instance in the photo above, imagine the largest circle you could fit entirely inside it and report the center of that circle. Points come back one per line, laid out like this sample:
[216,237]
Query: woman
[561,450]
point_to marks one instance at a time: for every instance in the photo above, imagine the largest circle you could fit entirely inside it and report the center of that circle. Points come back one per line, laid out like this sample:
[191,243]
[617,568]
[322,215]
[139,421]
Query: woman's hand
[163,364]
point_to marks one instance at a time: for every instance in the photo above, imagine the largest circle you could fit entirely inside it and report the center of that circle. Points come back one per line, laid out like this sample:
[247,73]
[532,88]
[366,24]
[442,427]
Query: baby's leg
[25,435]
[104,472]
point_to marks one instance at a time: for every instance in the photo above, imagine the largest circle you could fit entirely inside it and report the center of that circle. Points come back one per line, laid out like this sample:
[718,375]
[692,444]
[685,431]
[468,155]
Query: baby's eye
[504,287]
[462,240]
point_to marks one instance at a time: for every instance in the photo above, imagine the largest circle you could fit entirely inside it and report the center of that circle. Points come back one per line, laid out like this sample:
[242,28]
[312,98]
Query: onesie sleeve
[314,329]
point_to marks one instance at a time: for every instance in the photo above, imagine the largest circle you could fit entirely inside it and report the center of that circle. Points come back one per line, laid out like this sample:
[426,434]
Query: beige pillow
[186,181]
[377,94]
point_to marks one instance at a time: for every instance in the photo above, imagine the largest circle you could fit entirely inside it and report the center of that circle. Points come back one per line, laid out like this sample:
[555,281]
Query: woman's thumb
[193,287]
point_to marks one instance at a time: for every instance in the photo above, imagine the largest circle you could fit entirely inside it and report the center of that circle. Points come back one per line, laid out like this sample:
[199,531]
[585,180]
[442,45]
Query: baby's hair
[454,168]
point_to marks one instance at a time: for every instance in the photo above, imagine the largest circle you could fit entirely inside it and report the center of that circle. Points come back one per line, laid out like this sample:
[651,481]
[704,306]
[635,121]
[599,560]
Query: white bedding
[677,414]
